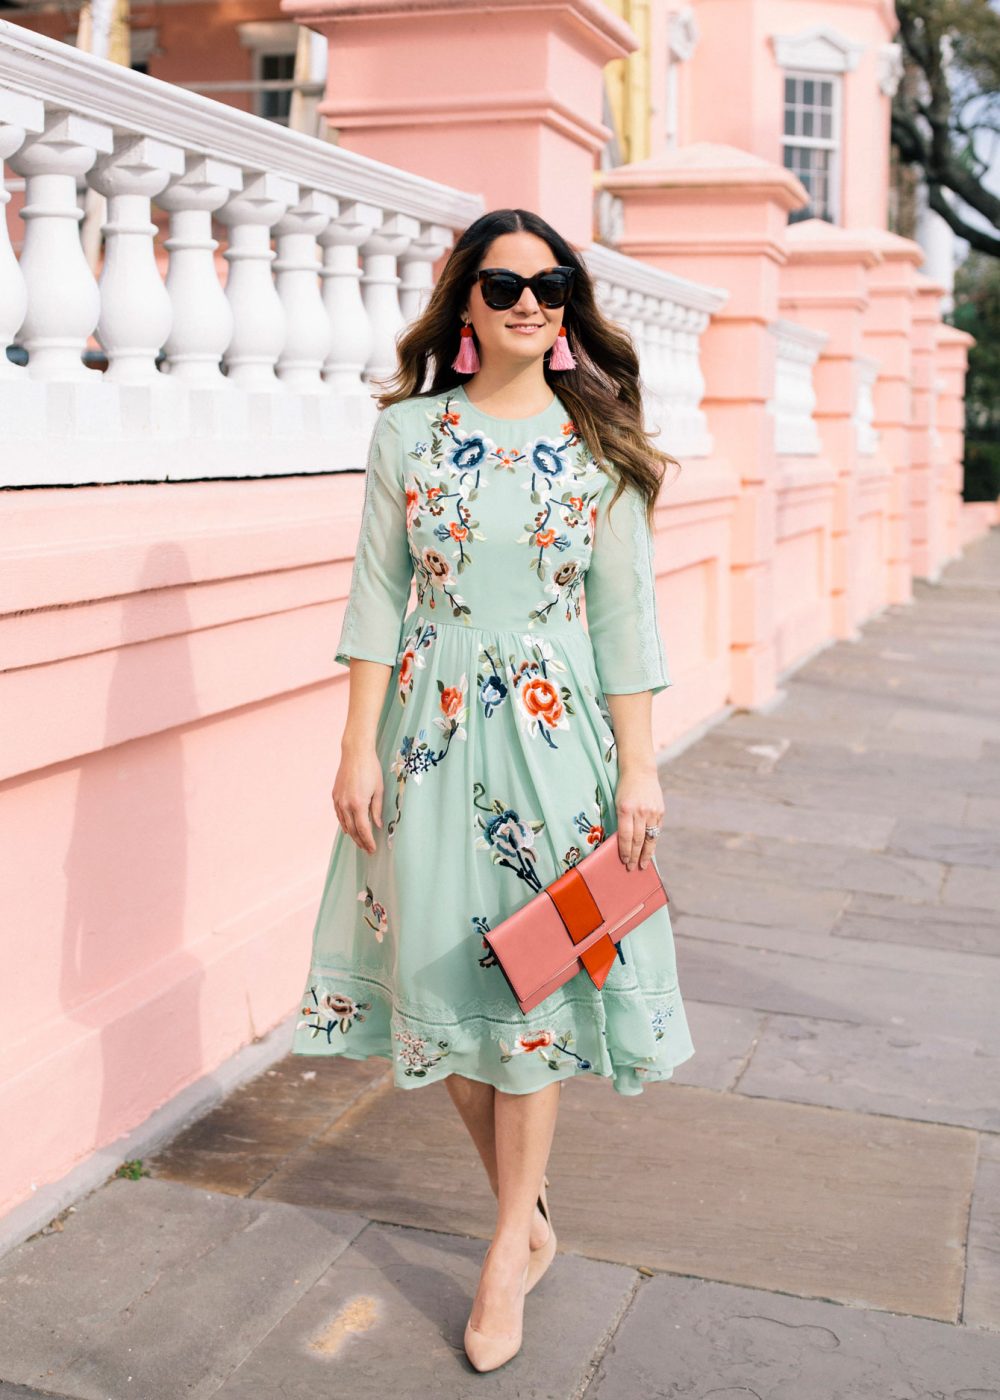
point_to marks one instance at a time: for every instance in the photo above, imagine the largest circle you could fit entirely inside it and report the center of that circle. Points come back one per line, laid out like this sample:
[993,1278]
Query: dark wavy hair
[602,393]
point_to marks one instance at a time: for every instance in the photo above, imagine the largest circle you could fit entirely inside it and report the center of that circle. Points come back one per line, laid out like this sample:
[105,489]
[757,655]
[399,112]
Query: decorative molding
[889,68]
[269,35]
[682,34]
[821,49]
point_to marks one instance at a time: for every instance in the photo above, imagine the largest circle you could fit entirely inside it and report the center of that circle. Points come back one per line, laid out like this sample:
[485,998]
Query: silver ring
[652,831]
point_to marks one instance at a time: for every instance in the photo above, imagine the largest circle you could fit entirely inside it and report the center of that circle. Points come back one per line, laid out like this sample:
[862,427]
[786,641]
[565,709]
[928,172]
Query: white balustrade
[341,280]
[19,114]
[296,267]
[864,408]
[258,357]
[135,305]
[794,399]
[64,304]
[380,253]
[666,316]
[201,317]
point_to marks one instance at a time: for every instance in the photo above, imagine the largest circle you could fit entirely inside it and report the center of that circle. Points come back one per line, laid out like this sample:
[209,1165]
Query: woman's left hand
[638,804]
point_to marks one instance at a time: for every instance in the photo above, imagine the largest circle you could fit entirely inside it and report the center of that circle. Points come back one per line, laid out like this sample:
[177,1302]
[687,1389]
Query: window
[811,141]
[271,103]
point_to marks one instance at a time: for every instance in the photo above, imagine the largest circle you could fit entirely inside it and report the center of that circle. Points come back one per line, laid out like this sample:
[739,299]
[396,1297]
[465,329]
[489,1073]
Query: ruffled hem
[632,1051]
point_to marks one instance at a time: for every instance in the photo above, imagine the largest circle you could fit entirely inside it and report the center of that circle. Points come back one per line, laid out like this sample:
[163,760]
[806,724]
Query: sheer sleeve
[620,592]
[383,569]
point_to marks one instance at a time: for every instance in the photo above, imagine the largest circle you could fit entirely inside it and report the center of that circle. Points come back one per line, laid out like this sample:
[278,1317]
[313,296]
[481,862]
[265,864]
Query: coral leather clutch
[576,922]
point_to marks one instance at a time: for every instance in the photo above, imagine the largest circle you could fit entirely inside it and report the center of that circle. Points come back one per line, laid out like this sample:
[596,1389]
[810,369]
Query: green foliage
[133,1169]
[977,310]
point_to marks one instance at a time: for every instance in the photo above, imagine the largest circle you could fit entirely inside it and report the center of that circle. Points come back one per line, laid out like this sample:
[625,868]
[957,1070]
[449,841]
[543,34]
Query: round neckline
[493,418]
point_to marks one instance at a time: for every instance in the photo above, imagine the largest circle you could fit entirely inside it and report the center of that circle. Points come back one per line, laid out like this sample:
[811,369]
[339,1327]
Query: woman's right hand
[357,795]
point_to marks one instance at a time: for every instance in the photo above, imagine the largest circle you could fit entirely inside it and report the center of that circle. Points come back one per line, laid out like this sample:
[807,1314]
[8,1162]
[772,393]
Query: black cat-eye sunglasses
[501,288]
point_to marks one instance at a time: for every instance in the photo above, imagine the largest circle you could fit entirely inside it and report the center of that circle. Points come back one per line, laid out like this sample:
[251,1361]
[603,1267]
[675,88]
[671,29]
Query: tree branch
[978,238]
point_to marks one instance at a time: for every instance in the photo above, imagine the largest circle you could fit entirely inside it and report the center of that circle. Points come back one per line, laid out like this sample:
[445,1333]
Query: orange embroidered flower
[595,835]
[535,1040]
[458,532]
[406,667]
[545,537]
[453,418]
[542,701]
[576,502]
[569,427]
[412,500]
[451,700]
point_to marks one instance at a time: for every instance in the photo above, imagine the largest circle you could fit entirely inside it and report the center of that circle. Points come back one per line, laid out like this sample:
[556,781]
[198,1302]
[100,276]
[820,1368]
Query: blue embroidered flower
[508,833]
[468,452]
[547,459]
[492,692]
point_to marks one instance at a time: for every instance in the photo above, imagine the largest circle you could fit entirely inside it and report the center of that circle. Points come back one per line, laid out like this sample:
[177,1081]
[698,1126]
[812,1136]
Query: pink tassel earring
[562,355]
[467,359]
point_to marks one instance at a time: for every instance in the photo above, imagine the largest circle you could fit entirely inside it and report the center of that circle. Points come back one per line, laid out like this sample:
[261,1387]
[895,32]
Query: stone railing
[260,373]
[666,316]
[794,398]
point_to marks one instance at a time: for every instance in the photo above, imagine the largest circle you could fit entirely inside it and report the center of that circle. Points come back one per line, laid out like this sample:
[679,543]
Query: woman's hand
[357,794]
[638,803]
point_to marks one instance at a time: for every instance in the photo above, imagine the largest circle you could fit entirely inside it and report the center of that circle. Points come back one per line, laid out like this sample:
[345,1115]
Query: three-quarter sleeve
[620,592]
[383,568]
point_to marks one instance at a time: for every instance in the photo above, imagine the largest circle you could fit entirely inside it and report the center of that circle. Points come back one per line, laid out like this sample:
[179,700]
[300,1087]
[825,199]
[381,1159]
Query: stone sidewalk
[811,1211]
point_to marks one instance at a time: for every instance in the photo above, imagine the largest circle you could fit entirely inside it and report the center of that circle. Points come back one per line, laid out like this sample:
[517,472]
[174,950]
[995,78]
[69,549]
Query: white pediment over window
[269,35]
[889,67]
[821,49]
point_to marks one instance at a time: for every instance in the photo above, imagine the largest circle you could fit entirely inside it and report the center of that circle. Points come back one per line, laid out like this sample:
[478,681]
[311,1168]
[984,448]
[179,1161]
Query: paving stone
[725,896]
[21,1392]
[389,1319]
[725,1036]
[786,1196]
[839,990]
[765,818]
[982,1281]
[970,887]
[877,918]
[695,854]
[239,1143]
[156,1290]
[876,1069]
[953,845]
[982,812]
[683,1338]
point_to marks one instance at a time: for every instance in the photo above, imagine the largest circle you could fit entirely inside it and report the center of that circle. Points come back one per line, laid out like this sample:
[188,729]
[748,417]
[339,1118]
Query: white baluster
[258,315]
[380,290]
[202,319]
[18,114]
[135,307]
[63,299]
[351,337]
[297,278]
[416,268]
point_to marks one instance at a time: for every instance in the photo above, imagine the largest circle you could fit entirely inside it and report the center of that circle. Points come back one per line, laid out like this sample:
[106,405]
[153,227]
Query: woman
[491,741]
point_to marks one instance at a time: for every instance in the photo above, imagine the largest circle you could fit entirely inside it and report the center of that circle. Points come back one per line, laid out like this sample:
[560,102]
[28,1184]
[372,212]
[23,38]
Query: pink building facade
[177,542]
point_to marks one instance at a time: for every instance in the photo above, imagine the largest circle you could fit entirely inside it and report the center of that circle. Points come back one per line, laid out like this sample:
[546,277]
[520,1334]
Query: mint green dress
[497,752]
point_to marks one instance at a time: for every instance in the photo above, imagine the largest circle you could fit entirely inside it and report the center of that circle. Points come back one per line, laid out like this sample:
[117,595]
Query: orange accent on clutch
[579,912]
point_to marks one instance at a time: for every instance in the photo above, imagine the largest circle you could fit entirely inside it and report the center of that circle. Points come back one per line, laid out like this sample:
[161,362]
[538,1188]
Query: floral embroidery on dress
[344,1013]
[415,757]
[416,641]
[658,1020]
[608,737]
[376,915]
[591,825]
[554,1049]
[541,705]
[414,1054]
[482,927]
[491,685]
[509,840]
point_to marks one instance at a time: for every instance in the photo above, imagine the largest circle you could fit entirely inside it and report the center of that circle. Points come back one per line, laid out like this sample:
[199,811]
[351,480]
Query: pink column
[824,285]
[719,215]
[504,99]
[888,331]
[951,360]
[926,525]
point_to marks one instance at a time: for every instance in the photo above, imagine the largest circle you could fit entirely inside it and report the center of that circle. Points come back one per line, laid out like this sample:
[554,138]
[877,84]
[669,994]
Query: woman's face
[497,333]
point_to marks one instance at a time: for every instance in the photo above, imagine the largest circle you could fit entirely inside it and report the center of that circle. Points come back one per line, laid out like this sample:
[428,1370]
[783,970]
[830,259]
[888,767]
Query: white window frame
[834,144]
[271,38]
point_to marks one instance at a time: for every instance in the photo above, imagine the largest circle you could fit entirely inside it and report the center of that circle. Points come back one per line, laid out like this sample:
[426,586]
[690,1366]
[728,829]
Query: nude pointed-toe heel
[543,1256]
[488,1350]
